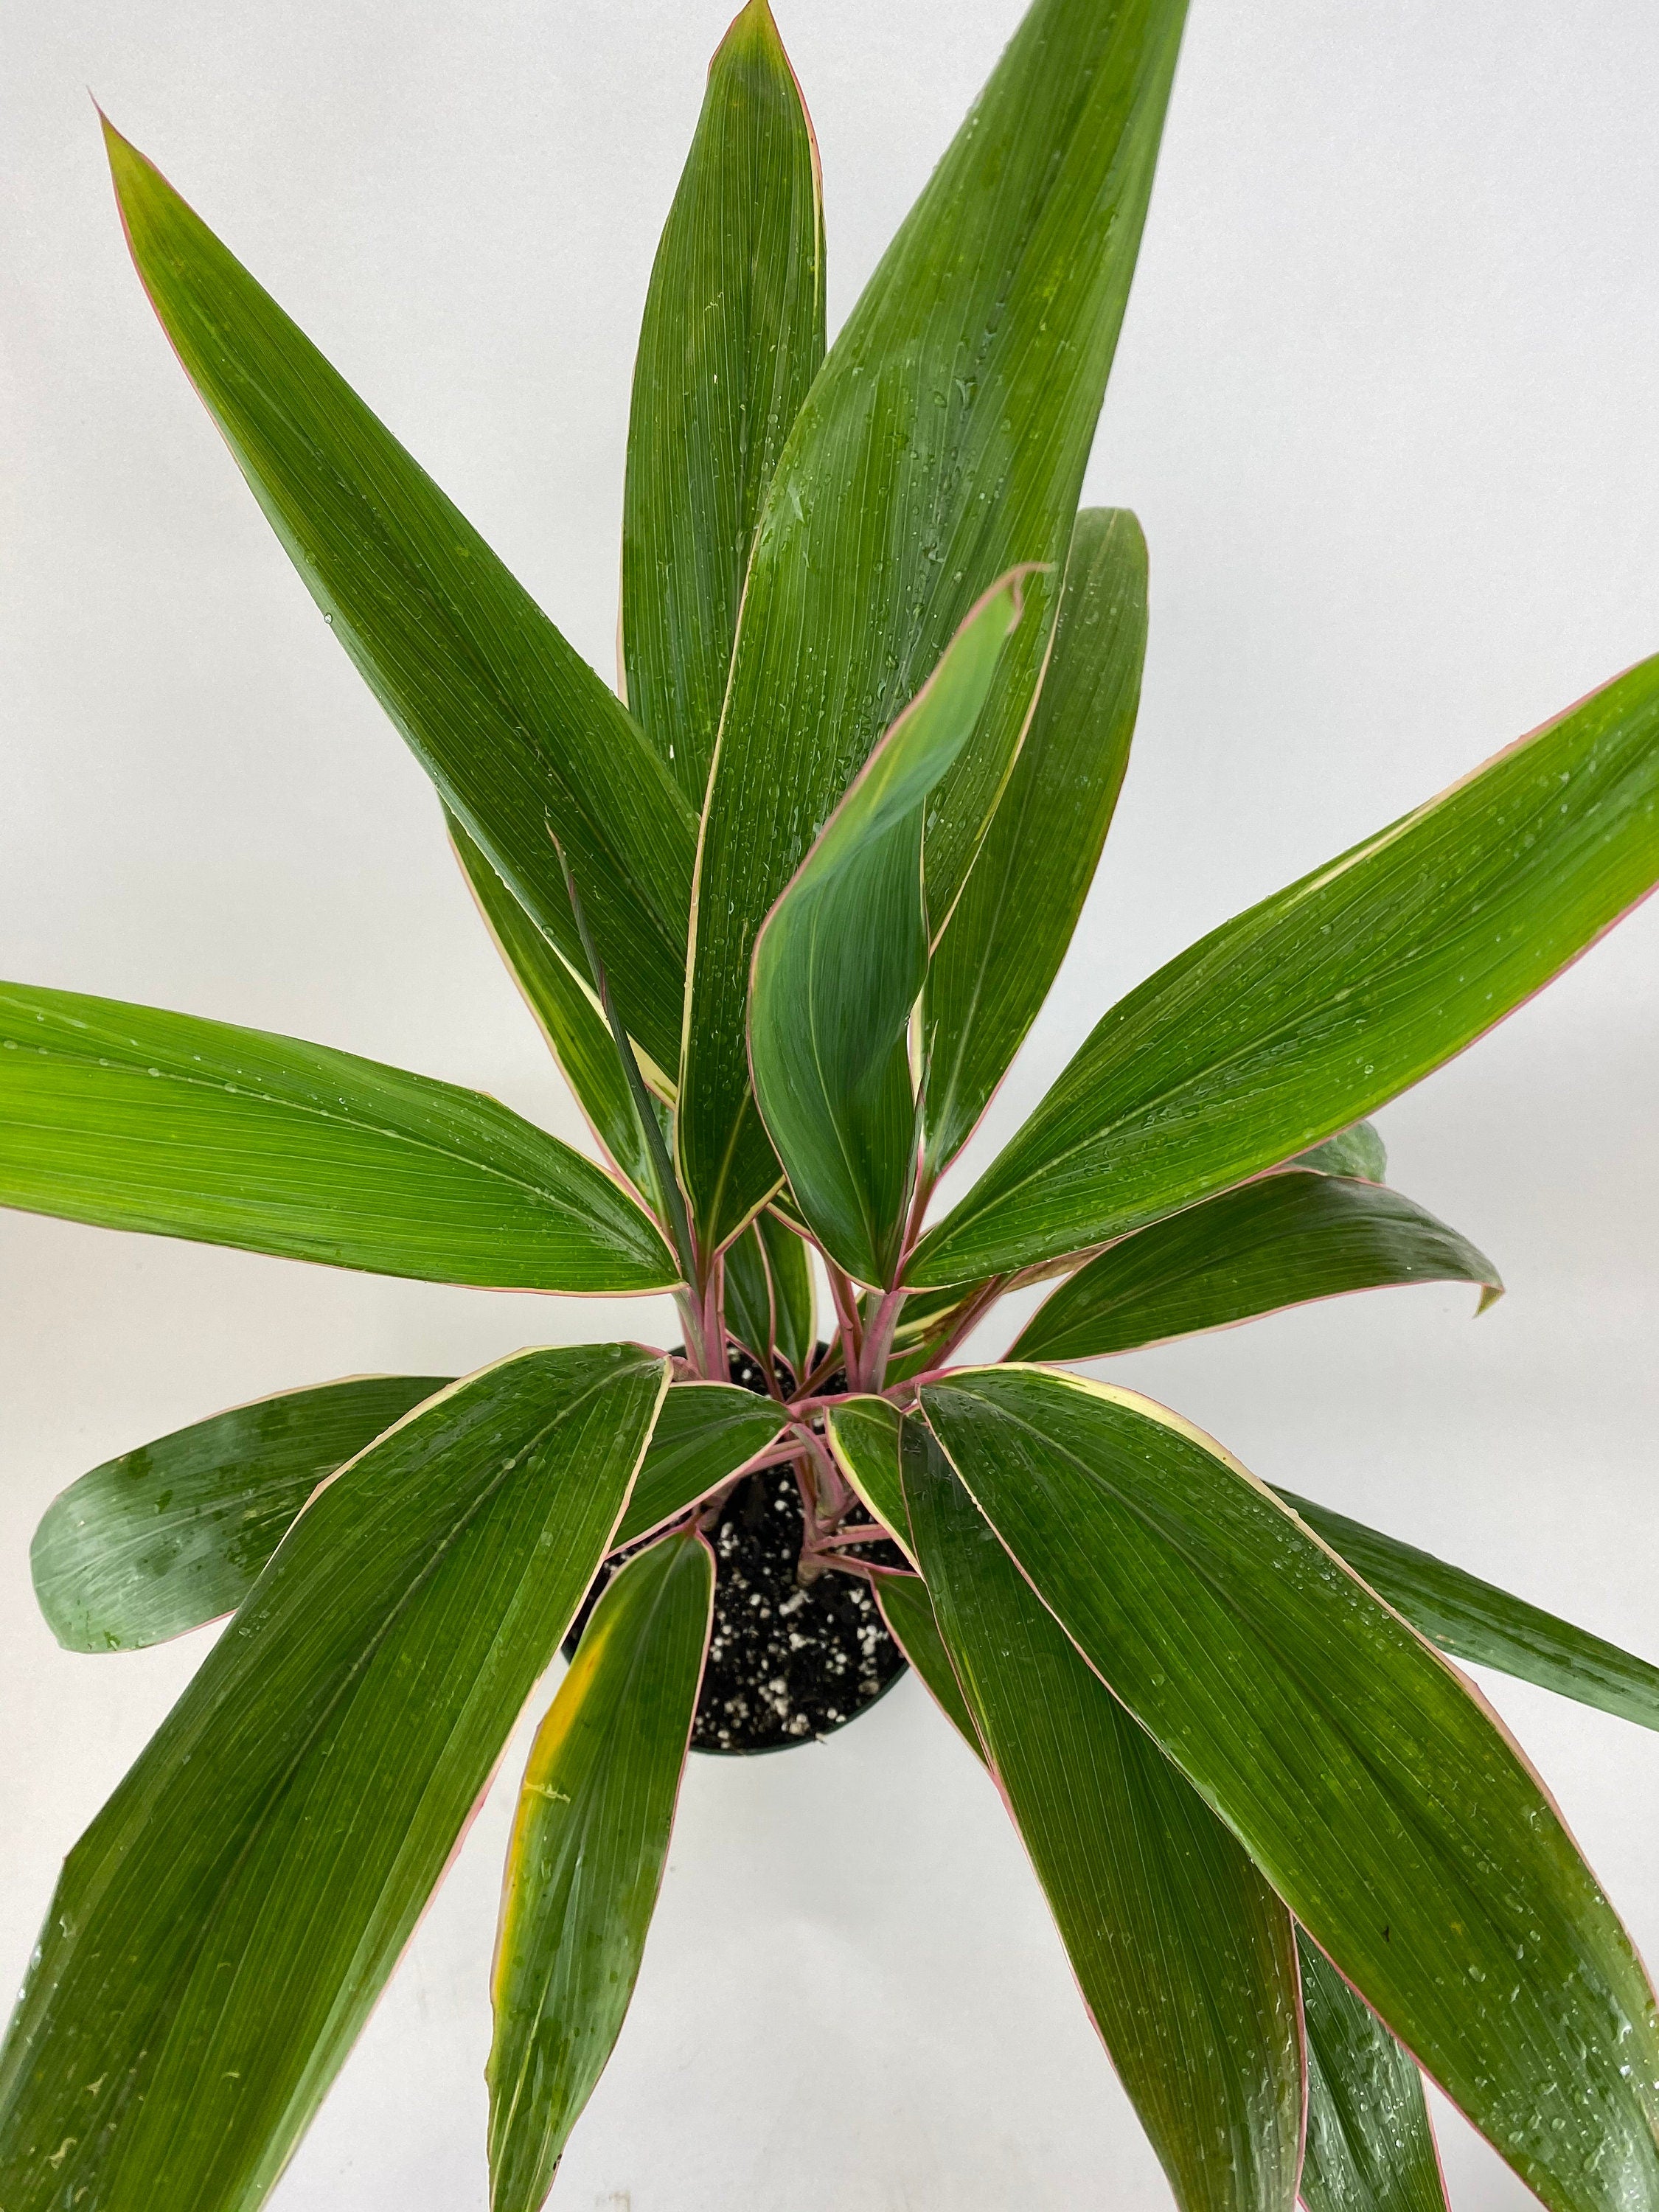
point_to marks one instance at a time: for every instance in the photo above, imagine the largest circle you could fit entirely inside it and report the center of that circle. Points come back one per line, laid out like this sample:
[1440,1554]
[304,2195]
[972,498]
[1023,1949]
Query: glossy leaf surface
[517,731]
[794,1301]
[1475,1620]
[1370,2147]
[733,335]
[748,1285]
[133,1118]
[704,1432]
[1280,1241]
[1295,1019]
[908,1610]
[175,1532]
[863,1432]
[1356,1152]
[568,1016]
[587,1857]
[769,1293]
[841,960]
[1368,1782]
[222,1931]
[943,443]
[1185,1958]
[1004,944]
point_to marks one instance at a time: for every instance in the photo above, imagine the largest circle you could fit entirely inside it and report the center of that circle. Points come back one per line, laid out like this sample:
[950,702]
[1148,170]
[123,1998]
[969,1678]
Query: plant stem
[879,1340]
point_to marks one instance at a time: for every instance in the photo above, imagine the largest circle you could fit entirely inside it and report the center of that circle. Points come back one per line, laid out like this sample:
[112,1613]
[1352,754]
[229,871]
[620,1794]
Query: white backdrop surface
[1386,405]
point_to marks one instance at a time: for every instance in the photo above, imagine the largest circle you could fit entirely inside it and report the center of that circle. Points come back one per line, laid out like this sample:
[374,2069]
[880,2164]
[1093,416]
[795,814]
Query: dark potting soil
[786,1664]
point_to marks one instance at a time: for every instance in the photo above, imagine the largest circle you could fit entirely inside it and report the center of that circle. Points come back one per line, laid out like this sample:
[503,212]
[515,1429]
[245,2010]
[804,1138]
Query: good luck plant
[785,917]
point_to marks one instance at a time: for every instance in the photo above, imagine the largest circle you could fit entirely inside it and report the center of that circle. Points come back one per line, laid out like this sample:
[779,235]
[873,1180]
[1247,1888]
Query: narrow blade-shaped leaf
[733,336]
[748,1285]
[175,1532]
[519,735]
[1294,1019]
[1005,941]
[1186,1958]
[568,1016]
[1475,1620]
[769,1293]
[1281,1241]
[1382,1802]
[586,1860]
[943,443]
[133,1118]
[223,1927]
[705,1431]
[840,963]
[908,1610]
[793,1301]
[1370,2147]
[864,1435]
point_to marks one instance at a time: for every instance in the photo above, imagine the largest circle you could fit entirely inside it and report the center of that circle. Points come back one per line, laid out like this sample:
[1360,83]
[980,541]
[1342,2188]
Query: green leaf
[175,1532]
[842,960]
[568,1016]
[864,1435]
[1370,2147]
[586,1862]
[1003,946]
[222,1930]
[1475,1620]
[908,1610]
[795,1306]
[769,1294]
[517,731]
[133,1118]
[1289,1238]
[1394,1819]
[705,1431]
[748,1287]
[1185,1958]
[1356,1152]
[733,336]
[943,443]
[1294,1019]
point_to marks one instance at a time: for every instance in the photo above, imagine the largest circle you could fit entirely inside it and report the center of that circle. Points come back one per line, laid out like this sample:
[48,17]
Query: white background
[1386,403]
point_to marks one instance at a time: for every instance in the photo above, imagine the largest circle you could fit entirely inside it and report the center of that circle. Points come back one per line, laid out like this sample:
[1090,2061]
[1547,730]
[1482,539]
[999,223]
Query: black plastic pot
[787,1664]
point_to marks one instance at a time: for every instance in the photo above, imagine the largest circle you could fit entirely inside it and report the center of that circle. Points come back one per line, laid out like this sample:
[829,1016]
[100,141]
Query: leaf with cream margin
[1365,1778]
[129,1117]
[1292,1020]
[733,337]
[176,1532]
[586,1862]
[1282,1241]
[863,1433]
[220,1932]
[705,1432]
[1185,1958]
[1002,947]
[841,960]
[943,443]
[516,731]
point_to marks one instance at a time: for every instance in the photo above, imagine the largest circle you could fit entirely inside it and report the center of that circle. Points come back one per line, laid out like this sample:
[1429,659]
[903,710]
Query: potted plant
[784,919]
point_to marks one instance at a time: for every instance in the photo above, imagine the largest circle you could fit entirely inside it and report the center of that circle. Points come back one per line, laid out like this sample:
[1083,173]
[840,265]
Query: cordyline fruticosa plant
[785,917]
